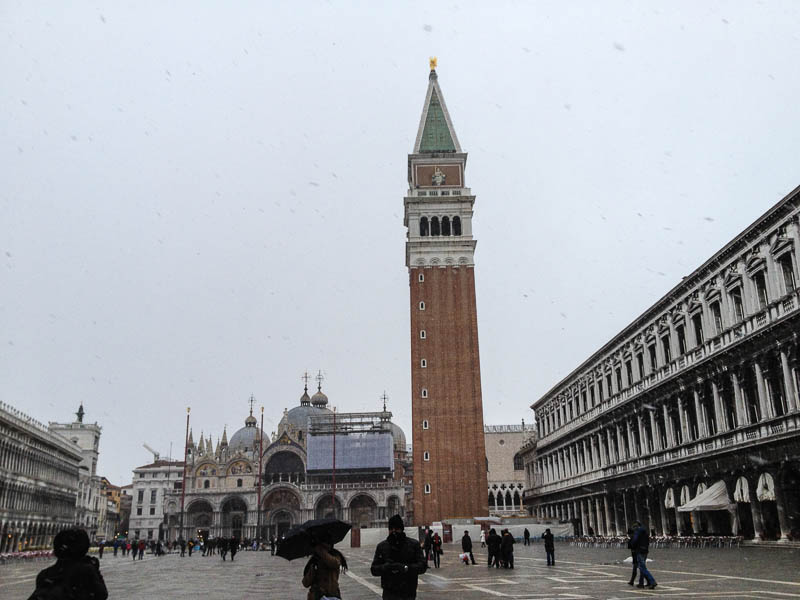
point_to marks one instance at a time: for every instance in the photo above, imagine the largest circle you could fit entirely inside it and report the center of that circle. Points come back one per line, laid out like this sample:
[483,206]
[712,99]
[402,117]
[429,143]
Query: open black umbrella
[299,541]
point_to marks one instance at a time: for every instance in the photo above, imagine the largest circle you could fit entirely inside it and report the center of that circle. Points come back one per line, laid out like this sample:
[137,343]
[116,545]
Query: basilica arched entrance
[281,512]
[363,510]
[325,509]
[234,517]
[200,518]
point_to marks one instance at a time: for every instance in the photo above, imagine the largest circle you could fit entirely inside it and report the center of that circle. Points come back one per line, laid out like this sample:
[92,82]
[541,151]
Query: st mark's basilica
[372,474]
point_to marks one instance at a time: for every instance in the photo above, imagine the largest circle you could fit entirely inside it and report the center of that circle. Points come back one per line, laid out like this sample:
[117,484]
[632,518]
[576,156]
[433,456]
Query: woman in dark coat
[436,547]
[74,575]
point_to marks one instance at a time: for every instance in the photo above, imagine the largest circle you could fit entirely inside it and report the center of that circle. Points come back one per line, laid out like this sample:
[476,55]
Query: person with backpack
[75,575]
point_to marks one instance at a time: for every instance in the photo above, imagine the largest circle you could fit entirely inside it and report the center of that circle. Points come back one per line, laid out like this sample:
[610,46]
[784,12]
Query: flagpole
[260,475]
[185,458]
[333,493]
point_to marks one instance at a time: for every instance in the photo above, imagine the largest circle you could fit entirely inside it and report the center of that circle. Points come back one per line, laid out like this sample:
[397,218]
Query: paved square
[580,573]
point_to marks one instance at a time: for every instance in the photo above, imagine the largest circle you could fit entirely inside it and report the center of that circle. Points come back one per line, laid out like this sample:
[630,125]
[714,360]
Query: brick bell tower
[447,410]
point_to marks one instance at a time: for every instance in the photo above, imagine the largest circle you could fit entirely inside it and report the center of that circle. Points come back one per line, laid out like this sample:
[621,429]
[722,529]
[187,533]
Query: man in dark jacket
[640,545]
[466,546]
[549,547]
[507,549]
[222,546]
[233,546]
[493,542]
[427,545]
[398,562]
[526,535]
[74,575]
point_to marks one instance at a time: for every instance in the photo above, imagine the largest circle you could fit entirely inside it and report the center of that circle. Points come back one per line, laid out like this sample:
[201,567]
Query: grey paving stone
[580,573]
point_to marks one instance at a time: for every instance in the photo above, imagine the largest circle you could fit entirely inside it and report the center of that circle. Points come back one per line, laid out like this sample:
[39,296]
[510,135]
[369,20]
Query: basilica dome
[246,437]
[398,436]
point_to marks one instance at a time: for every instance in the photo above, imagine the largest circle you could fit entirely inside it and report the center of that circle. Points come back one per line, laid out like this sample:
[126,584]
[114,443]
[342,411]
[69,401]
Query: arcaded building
[688,418]
[505,468]
[39,482]
[446,405]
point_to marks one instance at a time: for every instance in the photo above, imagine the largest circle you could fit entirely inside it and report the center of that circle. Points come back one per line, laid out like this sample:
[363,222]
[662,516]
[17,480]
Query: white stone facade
[505,468]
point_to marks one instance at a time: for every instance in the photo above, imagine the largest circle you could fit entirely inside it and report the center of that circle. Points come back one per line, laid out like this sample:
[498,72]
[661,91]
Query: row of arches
[16,536]
[436,226]
[499,501]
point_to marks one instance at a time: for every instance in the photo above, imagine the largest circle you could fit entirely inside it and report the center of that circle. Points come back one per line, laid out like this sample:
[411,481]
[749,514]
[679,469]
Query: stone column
[592,514]
[755,509]
[685,437]
[741,410]
[631,441]
[644,447]
[766,413]
[586,458]
[621,456]
[701,421]
[668,426]
[788,383]
[584,523]
[612,458]
[660,496]
[722,418]
[782,505]
[601,527]
[636,509]
[654,431]
[611,528]
[623,507]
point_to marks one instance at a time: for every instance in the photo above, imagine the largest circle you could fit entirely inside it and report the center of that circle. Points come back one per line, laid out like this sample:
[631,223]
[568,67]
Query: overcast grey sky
[201,200]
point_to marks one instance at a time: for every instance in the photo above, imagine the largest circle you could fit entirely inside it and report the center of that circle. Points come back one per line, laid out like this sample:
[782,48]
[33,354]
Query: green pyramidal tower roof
[436,133]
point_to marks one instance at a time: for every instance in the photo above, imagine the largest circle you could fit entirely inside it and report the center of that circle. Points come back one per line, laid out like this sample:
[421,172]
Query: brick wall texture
[456,470]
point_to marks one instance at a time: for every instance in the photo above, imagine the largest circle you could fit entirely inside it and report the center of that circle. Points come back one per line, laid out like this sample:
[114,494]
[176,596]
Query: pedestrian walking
[437,550]
[142,546]
[493,541]
[116,547]
[428,544]
[233,546]
[222,546]
[466,546]
[526,537]
[507,549]
[549,547]
[75,575]
[398,561]
[191,546]
[182,544]
[634,561]
[640,544]
[321,573]
[483,538]
[100,547]
[272,545]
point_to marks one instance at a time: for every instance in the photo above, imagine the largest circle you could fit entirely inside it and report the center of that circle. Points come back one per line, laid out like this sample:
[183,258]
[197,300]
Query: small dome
[304,399]
[319,399]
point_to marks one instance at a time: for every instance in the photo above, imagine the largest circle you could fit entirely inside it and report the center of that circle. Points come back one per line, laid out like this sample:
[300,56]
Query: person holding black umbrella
[321,574]
[398,562]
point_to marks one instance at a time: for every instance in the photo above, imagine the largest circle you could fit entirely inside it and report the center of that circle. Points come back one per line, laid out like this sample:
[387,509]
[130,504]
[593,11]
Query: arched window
[445,226]
[508,500]
[492,503]
[423,226]
[238,483]
[206,484]
[456,225]
[427,488]
[435,226]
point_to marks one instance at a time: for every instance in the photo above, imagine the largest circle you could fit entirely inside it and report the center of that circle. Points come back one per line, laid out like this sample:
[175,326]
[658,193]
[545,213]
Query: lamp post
[260,475]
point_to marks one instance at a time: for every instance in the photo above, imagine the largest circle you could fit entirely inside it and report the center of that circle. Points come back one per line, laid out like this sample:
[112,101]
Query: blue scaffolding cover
[354,451]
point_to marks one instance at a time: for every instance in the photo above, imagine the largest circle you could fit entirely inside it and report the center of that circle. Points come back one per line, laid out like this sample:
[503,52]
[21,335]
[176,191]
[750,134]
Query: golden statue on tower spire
[432,60]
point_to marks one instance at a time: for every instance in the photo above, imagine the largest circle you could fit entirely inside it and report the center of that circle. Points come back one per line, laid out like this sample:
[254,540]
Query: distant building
[109,517]
[125,504]
[505,469]
[86,436]
[152,484]
[38,482]
[689,418]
